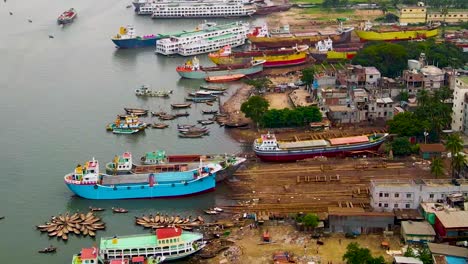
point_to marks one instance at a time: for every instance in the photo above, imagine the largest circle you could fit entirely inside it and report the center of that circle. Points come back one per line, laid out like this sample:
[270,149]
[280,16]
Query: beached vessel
[164,244]
[265,9]
[261,37]
[127,39]
[280,57]
[128,124]
[224,78]
[205,38]
[267,148]
[127,181]
[369,32]
[193,70]
[67,16]
[324,50]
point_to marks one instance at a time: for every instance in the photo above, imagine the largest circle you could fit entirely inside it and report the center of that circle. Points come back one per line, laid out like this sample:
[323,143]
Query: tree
[308,76]
[255,108]
[407,124]
[425,255]
[389,58]
[401,146]
[458,163]
[410,253]
[259,83]
[454,145]
[383,7]
[437,168]
[395,3]
[403,96]
[357,255]
[310,220]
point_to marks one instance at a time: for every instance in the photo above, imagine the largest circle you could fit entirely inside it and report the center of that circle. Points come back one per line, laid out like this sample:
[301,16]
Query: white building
[460,109]
[387,195]
[372,76]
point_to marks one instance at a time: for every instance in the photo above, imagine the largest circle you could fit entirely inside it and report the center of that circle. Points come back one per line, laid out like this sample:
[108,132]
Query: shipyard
[235,131]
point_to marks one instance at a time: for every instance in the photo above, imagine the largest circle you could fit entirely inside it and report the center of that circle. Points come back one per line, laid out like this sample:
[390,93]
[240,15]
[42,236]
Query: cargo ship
[155,181]
[326,51]
[281,57]
[264,9]
[127,39]
[368,32]
[170,243]
[261,37]
[267,148]
[193,70]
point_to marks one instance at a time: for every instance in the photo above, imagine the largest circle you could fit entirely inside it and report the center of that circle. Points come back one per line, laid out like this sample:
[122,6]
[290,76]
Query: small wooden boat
[201,99]
[205,122]
[213,88]
[209,112]
[187,228]
[197,135]
[192,130]
[136,111]
[225,78]
[217,209]
[159,125]
[160,113]
[67,17]
[119,210]
[210,212]
[236,125]
[199,218]
[49,249]
[182,114]
[167,117]
[184,126]
[2,217]
[181,105]
[209,103]
[96,209]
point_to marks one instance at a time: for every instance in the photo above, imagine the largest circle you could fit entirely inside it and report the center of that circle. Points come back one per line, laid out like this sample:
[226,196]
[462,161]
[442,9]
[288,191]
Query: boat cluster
[78,223]
[145,91]
[161,221]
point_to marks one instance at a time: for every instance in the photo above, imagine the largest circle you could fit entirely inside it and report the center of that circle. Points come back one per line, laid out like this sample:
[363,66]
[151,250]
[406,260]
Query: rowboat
[209,112]
[180,105]
[212,88]
[136,111]
[198,135]
[224,78]
[201,99]
[159,125]
[182,114]
[235,125]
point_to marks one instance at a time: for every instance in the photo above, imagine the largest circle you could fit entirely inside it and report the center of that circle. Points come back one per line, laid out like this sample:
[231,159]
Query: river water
[57,95]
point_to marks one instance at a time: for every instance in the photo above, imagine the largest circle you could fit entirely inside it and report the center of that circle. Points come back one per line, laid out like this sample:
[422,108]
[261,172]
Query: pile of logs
[78,223]
[160,221]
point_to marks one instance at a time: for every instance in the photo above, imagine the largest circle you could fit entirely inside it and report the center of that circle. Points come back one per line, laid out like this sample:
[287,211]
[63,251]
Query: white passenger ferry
[149,7]
[236,33]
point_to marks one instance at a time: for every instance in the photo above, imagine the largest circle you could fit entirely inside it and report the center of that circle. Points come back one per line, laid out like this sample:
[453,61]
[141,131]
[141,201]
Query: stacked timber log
[78,223]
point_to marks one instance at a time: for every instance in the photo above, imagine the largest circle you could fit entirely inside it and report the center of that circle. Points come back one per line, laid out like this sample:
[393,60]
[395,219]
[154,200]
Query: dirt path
[232,105]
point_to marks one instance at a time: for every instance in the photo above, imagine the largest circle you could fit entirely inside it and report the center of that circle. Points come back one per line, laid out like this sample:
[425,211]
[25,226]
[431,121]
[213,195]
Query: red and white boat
[67,16]
[224,78]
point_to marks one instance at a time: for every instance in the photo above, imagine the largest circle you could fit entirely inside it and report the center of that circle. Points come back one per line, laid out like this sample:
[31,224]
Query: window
[397,195]
[407,206]
[442,195]
[380,194]
[408,195]
[431,195]
[385,205]
[395,206]
[380,204]
[386,195]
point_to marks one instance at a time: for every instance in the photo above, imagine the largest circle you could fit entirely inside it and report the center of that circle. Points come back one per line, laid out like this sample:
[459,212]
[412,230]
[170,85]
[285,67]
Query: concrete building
[343,114]
[406,260]
[382,108]
[412,14]
[453,16]
[357,221]
[417,232]
[421,76]
[451,225]
[460,108]
[430,151]
[372,77]
[387,195]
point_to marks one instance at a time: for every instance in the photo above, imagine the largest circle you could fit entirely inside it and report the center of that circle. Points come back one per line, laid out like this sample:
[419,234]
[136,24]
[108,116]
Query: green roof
[141,241]
[156,155]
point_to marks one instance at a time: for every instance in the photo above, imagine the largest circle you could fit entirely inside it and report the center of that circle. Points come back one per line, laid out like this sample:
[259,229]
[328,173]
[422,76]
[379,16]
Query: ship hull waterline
[134,43]
[396,35]
[271,62]
[279,42]
[203,74]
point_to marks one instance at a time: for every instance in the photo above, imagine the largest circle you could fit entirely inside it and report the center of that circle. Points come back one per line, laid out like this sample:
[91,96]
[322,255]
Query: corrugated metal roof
[447,250]
[417,228]
[453,219]
[348,140]
[407,260]
[303,144]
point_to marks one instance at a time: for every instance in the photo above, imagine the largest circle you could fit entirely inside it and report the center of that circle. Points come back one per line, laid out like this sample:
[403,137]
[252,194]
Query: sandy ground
[278,100]
[286,238]
[232,105]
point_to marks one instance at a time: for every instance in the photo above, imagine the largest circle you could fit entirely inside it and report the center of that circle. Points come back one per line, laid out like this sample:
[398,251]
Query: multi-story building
[387,195]
[460,105]
[412,14]
[452,17]
[380,108]
[421,76]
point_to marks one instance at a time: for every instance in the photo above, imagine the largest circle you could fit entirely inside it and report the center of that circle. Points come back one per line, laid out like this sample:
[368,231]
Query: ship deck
[141,241]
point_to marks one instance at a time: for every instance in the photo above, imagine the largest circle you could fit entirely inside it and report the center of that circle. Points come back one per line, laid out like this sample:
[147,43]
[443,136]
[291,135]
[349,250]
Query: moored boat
[267,148]
[201,99]
[127,39]
[324,50]
[136,111]
[145,91]
[67,16]
[224,78]
[128,124]
[261,37]
[159,125]
[193,70]
[264,9]
[127,181]
[212,88]
[180,106]
[369,32]
[280,57]
[170,243]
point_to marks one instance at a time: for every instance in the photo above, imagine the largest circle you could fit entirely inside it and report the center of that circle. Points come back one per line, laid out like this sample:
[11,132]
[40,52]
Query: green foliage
[389,58]
[291,118]
[454,144]
[255,108]
[437,168]
[308,76]
[401,146]
[403,96]
[357,255]
[309,220]
[259,83]
[425,256]
[458,162]
[410,253]
[407,124]
[388,18]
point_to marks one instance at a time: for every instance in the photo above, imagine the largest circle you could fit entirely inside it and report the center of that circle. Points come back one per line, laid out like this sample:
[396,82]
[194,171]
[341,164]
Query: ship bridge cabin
[266,142]
[86,174]
[86,256]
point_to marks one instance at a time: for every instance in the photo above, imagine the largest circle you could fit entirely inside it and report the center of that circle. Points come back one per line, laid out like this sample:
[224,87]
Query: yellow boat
[274,58]
[397,33]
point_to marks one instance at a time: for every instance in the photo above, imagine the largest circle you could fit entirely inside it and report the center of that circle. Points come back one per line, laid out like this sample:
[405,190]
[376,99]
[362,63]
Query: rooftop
[371,70]
[407,260]
[417,228]
[432,147]
[447,250]
[453,219]
[385,100]
[340,108]
[141,241]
